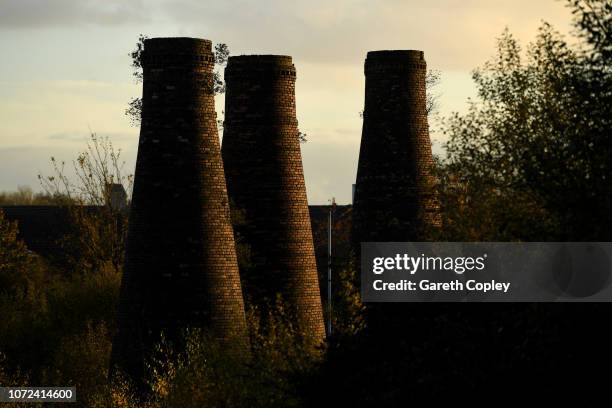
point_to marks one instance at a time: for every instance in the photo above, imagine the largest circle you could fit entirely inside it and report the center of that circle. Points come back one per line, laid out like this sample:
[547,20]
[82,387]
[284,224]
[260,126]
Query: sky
[65,67]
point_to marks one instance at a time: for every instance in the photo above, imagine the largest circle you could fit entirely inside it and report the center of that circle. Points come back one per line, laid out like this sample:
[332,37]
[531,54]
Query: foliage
[25,196]
[43,306]
[303,137]
[208,374]
[473,210]
[57,331]
[98,235]
[134,108]
[530,159]
[99,166]
[221,55]
[81,360]
[36,322]
[136,56]
[432,80]
[593,18]
[348,310]
[58,318]
[15,259]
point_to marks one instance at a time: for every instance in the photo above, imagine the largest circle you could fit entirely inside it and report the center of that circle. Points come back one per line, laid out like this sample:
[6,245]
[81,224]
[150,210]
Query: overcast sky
[65,69]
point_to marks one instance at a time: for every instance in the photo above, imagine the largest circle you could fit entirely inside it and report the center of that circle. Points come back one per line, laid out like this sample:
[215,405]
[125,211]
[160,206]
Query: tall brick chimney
[265,179]
[394,192]
[181,268]
[393,199]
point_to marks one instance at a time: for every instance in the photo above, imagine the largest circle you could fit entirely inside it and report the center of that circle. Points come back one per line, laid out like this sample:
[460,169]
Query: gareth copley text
[456,285]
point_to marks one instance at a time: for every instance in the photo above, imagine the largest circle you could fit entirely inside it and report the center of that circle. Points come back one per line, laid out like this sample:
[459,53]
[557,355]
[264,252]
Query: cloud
[455,34]
[22,165]
[59,13]
[330,165]
[82,138]
[61,82]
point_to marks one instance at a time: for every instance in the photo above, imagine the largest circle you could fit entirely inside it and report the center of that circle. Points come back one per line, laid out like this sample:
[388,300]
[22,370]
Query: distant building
[41,227]
[117,197]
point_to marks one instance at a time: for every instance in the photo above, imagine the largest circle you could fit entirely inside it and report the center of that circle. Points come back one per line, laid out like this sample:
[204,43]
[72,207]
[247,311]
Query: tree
[99,229]
[537,139]
[528,161]
[593,18]
[432,80]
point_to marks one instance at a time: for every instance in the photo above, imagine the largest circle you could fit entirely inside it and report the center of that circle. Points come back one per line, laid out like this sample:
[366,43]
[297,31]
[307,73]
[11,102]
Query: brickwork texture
[394,192]
[262,158]
[394,197]
[181,267]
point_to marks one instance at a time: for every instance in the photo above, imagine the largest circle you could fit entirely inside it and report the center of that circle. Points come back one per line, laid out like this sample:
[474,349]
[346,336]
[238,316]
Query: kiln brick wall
[181,268]
[265,179]
[394,198]
[394,192]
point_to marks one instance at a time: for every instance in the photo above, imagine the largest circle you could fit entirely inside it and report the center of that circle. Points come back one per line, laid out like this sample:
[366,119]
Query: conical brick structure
[394,192]
[394,198]
[261,154]
[181,267]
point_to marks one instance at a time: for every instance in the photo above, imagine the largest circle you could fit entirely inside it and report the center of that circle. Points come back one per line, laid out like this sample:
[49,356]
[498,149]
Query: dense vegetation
[530,160]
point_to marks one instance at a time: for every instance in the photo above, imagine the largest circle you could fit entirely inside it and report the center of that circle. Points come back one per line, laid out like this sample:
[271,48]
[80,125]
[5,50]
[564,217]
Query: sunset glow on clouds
[66,67]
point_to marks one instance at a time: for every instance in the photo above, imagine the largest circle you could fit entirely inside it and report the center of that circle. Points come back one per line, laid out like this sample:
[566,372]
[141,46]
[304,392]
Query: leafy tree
[221,55]
[432,80]
[593,18]
[528,161]
[531,157]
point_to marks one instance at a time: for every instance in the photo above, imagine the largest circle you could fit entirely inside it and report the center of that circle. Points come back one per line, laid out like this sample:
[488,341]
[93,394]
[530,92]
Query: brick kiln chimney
[393,199]
[394,192]
[181,268]
[261,154]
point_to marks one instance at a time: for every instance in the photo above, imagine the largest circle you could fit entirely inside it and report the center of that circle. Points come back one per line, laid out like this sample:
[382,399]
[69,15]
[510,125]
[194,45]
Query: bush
[210,374]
